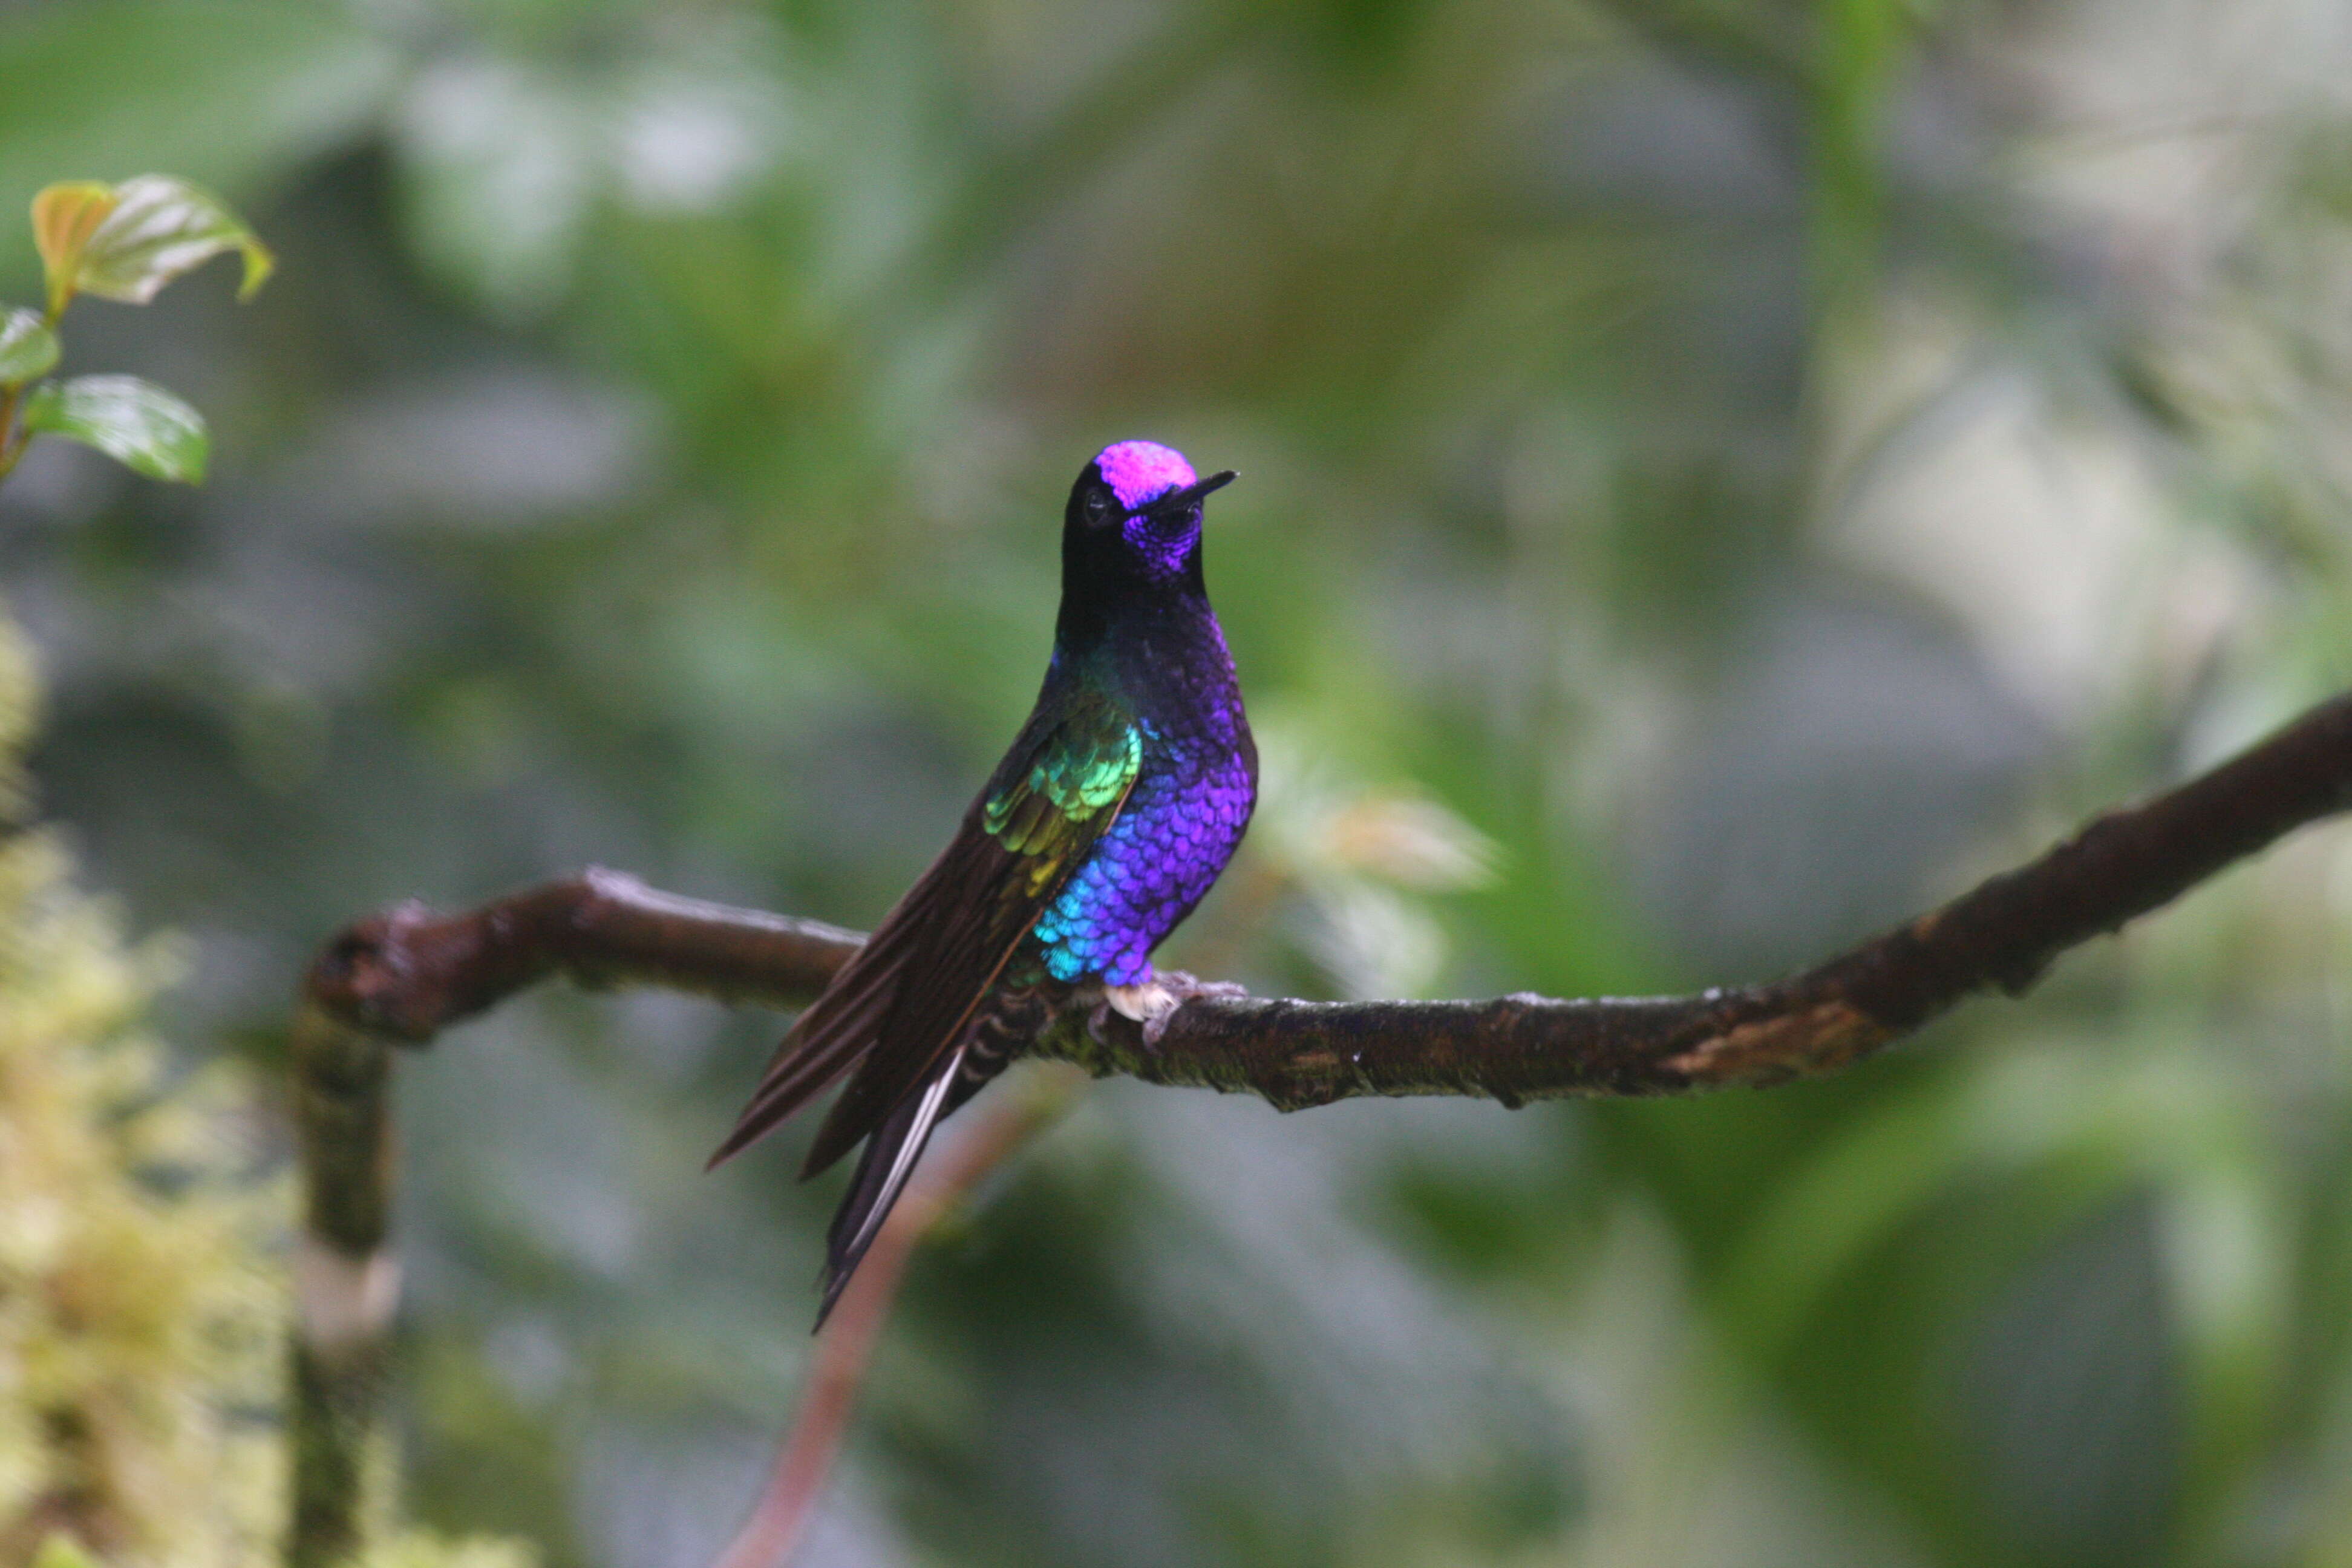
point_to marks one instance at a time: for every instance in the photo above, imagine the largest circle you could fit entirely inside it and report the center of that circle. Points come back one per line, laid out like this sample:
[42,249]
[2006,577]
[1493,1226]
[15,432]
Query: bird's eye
[1097,504]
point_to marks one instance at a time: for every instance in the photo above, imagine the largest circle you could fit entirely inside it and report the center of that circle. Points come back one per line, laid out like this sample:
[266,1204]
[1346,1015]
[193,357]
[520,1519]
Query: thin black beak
[1176,500]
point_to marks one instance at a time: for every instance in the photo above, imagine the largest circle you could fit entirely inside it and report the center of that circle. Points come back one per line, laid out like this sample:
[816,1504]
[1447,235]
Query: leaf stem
[12,441]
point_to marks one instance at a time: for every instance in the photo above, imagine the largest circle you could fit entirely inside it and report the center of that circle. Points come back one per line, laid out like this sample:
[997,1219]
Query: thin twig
[846,1344]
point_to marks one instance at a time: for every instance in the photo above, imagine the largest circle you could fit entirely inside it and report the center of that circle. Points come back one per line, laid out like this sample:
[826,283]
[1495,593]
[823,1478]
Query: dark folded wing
[1051,800]
[897,1009]
[832,1032]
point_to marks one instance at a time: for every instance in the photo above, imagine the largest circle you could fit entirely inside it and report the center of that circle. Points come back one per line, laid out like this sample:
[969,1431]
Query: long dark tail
[882,1171]
[990,1042]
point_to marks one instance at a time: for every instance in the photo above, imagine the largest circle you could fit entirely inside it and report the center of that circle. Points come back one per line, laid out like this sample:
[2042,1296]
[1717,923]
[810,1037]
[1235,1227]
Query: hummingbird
[1119,803]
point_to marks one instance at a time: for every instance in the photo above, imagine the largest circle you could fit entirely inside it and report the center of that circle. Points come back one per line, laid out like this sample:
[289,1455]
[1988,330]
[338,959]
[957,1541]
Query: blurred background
[1717,474]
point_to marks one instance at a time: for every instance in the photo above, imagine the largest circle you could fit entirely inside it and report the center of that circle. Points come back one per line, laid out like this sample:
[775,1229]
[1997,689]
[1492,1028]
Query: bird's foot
[1154,1002]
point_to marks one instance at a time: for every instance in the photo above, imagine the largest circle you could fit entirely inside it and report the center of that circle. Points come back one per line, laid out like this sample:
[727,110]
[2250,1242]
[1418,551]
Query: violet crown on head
[1147,496]
[1142,471]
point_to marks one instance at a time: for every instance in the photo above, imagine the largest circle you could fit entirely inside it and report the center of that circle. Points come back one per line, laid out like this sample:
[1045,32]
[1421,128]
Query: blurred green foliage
[1757,465]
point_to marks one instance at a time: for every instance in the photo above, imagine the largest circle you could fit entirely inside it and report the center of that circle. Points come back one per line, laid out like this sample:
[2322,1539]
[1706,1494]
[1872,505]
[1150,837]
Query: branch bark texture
[2000,935]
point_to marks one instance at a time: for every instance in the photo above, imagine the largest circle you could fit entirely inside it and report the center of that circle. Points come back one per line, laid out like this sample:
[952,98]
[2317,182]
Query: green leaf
[238,96]
[158,228]
[27,347]
[136,423]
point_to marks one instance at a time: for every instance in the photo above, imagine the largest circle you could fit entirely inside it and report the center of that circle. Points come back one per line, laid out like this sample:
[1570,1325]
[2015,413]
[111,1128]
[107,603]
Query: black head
[1133,525]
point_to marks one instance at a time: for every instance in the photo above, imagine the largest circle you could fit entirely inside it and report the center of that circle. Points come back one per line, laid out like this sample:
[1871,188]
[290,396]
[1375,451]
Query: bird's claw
[1154,1002]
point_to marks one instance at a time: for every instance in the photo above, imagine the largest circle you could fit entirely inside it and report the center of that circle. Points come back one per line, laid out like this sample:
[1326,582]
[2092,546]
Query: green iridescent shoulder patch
[1081,771]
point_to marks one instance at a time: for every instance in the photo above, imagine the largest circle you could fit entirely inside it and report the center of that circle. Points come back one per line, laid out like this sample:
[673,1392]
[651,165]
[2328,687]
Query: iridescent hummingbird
[1117,807]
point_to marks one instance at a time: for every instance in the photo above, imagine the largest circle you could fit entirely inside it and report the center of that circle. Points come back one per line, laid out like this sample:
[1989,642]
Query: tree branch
[403,977]
[408,974]
[2002,934]
[400,978]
